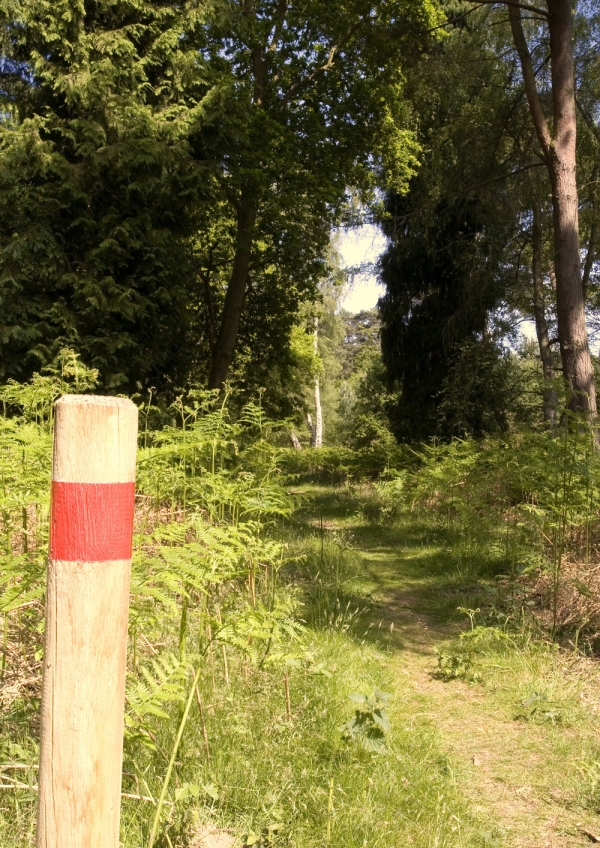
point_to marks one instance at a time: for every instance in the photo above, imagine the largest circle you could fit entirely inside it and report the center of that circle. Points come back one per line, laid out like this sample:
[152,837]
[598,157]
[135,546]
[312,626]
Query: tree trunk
[549,393]
[317,439]
[559,148]
[572,330]
[236,292]
[317,430]
[591,250]
[295,441]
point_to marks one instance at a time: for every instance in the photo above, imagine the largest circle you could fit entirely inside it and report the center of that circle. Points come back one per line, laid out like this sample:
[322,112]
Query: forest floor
[517,720]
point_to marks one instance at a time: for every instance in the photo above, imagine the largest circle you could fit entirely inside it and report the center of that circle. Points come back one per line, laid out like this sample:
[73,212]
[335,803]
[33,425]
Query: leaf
[185,791]
[211,790]
[358,698]
[274,826]
[374,744]
[382,696]
[320,669]
[381,720]
[582,589]
[537,696]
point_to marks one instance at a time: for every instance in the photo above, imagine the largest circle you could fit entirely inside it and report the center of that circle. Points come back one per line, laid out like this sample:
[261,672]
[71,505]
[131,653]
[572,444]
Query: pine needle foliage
[99,185]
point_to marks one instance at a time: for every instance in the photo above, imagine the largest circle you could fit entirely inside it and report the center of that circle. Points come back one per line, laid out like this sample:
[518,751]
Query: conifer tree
[100,187]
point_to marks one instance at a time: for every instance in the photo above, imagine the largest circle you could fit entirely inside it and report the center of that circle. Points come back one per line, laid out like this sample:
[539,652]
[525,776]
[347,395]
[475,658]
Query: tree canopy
[170,176]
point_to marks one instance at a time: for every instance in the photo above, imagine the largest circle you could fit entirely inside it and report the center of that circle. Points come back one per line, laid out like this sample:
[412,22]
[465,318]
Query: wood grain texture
[87,600]
[82,705]
[95,439]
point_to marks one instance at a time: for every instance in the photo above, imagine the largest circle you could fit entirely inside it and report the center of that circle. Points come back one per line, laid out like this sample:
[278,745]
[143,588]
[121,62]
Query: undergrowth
[244,649]
[260,697]
[520,511]
[530,680]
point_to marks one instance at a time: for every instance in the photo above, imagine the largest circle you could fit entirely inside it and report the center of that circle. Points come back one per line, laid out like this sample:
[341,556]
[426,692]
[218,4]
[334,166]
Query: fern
[156,685]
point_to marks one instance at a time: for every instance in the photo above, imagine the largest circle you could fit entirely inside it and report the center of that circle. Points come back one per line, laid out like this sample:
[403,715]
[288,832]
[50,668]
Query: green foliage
[98,187]
[370,725]
[458,270]
[326,567]
[441,286]
[340,464]
[530,500]
[157,684]
[25,445]
[135,137]
[33,401]
[487,391]
[242,652]
[457,663]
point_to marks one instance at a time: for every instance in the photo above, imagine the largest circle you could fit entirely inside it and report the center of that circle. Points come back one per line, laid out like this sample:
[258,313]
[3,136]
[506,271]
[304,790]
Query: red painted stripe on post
[91,522]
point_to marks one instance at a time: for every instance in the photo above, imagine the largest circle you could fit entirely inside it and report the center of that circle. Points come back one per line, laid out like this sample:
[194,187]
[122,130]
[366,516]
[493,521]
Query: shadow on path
[414,582]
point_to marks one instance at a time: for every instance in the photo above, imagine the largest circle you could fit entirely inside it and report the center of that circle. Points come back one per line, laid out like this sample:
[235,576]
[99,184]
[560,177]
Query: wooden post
[87,599]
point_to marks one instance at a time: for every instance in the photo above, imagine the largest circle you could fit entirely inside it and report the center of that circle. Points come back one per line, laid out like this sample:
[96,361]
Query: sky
[365,244]
[357,246]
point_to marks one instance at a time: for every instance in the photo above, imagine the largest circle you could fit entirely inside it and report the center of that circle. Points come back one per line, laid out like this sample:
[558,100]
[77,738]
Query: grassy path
[520,741]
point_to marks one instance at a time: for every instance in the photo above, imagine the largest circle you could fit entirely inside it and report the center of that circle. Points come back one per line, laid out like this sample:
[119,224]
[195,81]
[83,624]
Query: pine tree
[100,187]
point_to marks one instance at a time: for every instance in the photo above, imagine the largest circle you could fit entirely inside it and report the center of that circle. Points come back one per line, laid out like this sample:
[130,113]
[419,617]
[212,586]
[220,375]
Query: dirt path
[507,769]
[501,762]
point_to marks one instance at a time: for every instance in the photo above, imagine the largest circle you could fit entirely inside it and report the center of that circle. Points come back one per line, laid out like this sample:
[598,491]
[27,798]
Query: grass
[273,772]
[515,714]
[270,770]
[492,738]
[270,773]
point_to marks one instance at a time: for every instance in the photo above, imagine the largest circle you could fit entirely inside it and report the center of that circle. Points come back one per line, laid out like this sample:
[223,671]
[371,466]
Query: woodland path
[508,771]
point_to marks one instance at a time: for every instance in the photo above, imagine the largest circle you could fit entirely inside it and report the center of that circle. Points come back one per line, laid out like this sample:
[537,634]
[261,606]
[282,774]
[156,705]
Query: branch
[280,18]
[533,97]
[591,124]
[591,251]
[306,83]
[513,3]
[466,190]
[511,112]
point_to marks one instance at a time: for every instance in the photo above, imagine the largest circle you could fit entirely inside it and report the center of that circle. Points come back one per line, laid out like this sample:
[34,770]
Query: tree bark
[572,330]
[317,438]
[549,393]
[317,430]
[591,249]
[559,149]
[236,293]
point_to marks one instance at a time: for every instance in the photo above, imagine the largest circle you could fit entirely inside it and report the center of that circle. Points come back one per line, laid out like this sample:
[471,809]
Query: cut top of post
[95,439]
